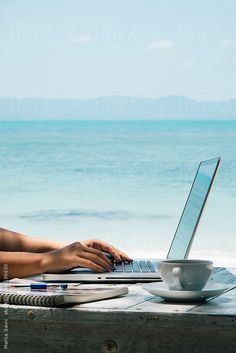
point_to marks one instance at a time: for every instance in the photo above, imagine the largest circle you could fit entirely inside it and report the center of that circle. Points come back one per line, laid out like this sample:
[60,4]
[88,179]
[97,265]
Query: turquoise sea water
[124,182]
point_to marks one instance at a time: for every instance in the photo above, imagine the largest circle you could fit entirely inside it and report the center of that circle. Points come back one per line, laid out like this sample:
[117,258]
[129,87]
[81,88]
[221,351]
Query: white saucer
[160,289]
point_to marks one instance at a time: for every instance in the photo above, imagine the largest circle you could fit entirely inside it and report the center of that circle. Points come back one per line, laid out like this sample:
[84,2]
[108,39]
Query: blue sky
[90,48]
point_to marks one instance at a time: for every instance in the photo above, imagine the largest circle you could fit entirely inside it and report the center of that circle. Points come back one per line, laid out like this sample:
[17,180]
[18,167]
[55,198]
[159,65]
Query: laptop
[146,270]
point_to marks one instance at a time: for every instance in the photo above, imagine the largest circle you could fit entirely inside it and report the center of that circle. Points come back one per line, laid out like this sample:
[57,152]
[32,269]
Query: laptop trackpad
[80,270]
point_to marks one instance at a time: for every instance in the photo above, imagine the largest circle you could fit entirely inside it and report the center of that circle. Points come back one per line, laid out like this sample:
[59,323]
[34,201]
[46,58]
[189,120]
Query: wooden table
[138,322]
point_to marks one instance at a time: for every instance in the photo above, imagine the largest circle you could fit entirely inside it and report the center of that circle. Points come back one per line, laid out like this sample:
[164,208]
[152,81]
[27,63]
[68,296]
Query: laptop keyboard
[143,266]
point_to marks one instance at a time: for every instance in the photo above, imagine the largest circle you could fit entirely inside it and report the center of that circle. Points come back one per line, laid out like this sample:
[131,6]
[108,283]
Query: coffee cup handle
[176,273]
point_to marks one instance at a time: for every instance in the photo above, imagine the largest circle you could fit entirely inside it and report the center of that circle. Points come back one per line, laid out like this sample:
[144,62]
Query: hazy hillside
[115,108]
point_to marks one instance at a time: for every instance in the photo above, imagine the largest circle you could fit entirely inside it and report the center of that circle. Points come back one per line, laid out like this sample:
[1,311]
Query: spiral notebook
[58,297]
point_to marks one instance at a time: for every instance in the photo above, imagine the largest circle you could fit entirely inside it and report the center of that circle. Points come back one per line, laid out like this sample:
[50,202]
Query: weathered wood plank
[73,331]
[136,295]
[224,276]
[137,300]
[157,304]
[224,305]
[138,323]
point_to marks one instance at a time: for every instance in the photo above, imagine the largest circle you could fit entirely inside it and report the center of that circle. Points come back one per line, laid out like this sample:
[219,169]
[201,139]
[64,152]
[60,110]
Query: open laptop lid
[193,208]
[181,243]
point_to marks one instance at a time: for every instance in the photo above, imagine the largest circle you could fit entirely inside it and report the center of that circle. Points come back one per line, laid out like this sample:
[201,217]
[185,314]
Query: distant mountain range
[115,108]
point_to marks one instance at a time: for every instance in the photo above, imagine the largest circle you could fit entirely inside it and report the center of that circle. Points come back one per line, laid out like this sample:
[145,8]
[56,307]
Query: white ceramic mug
[185,274]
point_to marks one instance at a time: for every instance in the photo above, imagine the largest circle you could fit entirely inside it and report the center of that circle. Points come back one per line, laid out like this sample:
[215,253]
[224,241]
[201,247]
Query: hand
[117,254]
[80,255]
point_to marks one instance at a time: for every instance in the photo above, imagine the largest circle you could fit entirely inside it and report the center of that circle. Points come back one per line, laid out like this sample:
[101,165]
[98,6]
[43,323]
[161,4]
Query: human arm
[23,256]
[24,264]
[20,264]
[13,241]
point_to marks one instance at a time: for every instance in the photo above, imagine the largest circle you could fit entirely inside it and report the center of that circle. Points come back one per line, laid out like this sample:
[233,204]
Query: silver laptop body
[146,270]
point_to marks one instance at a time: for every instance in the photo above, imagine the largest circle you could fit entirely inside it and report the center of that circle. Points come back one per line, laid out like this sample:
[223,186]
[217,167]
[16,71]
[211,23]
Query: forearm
[12,241]
[21,264]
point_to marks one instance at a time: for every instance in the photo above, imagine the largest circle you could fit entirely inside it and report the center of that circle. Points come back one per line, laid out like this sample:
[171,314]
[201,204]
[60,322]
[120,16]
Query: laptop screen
[189,220]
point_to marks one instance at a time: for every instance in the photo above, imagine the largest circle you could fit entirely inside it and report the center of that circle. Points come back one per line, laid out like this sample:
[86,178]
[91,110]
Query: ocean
[125,182]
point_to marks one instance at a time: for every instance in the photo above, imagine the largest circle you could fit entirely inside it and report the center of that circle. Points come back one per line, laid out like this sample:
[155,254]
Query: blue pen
[45,286]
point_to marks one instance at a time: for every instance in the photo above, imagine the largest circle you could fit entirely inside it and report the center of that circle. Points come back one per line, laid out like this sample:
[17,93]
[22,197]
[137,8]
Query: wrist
[45,262]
